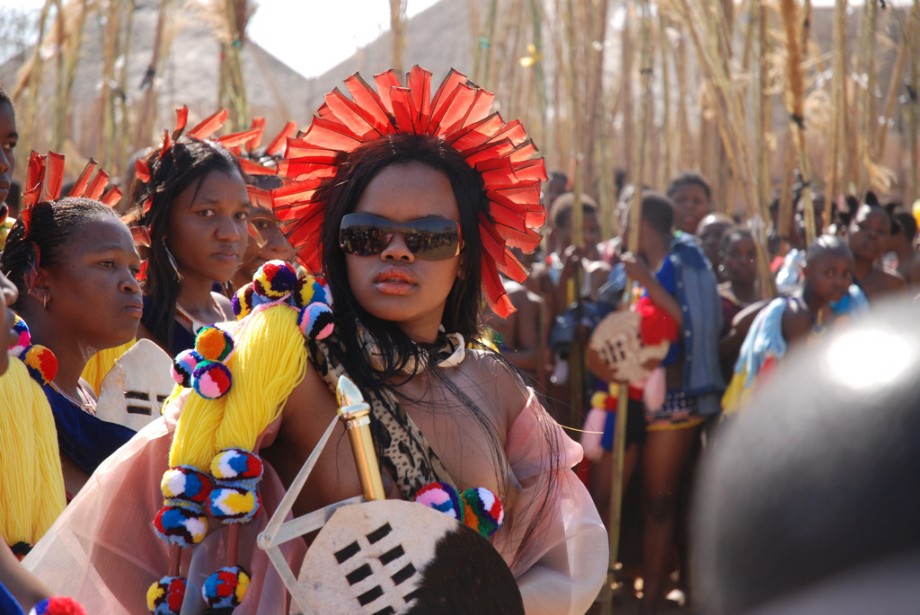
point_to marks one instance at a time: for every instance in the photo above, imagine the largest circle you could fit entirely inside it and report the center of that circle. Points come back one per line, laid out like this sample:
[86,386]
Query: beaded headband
[459,114]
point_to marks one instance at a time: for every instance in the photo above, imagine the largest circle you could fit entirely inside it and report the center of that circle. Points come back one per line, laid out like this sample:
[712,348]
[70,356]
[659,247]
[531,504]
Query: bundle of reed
[795,106]
[25,91]
[147,112]
[67,38]
[108,149]
[909,31]
[232,92]
[706,28]
[913,106]
[867,123]
[839,162]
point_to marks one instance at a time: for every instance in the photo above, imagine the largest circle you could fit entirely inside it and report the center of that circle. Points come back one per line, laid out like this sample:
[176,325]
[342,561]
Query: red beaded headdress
[459,114]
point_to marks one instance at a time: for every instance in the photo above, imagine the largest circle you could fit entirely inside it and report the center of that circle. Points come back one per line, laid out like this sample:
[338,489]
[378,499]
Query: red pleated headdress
[460,114]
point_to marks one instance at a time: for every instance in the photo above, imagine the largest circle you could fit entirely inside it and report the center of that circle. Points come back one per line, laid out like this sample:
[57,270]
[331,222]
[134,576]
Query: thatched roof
[190,75]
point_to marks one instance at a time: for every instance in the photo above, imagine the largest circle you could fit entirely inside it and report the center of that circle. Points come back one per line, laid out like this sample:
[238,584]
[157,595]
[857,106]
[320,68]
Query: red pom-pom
[656,325]
[58,605]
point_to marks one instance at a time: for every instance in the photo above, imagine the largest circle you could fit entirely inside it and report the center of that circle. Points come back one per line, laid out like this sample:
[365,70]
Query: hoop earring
[45,300]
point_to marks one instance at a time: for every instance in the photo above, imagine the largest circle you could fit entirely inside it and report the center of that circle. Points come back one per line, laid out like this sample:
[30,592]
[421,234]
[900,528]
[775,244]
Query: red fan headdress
[45,179]
[460,114]
[240,144]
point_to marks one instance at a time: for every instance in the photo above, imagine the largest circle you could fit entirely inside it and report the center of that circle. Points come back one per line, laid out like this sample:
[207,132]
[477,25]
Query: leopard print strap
[401,447]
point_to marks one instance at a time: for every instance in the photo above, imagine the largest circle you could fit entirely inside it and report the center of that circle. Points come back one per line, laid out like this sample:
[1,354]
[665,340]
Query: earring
[45,300]
[172,262]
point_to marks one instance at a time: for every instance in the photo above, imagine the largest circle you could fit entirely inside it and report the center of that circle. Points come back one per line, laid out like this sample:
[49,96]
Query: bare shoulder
[495,385]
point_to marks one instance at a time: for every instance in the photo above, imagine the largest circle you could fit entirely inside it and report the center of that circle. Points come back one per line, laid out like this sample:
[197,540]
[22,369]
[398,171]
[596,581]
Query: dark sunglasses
[432,238]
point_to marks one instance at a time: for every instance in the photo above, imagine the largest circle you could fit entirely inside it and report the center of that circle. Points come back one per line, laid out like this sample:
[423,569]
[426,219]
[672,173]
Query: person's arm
[797,323]
[22,584]
[637,271]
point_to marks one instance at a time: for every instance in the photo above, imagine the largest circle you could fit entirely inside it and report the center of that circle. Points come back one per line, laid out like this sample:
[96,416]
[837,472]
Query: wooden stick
[173,568]
[635,216]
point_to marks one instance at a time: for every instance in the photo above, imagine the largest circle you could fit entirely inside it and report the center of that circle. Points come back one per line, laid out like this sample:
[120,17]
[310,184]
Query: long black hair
[184,164]
[52,224]
[464,302]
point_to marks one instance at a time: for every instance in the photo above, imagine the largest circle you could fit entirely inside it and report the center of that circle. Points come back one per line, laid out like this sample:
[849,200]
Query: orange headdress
[460,115]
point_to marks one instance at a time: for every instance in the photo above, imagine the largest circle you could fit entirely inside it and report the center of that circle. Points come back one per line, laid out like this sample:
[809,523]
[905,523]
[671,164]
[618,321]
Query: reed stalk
[29,79]
[69,41]
[236,14]
[866,134]
[147,115]
[909,30]
[398,34]
[795,106]
[111,36]
[838,163]
[913,107]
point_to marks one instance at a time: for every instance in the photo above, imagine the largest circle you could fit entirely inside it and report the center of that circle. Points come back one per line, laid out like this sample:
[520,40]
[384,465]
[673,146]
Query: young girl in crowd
[408,208]
[74,264]
[196,212]
[827,294]
[867,237]
[739,265]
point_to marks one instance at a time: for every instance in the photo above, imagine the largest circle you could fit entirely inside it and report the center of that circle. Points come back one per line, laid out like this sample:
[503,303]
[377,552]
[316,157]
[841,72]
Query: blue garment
[8,604]
[701,311]
[82,437]
[182,338]
[667,277]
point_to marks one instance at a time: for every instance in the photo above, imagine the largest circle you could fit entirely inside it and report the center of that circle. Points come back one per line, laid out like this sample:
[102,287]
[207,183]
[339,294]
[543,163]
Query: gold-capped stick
[355,413]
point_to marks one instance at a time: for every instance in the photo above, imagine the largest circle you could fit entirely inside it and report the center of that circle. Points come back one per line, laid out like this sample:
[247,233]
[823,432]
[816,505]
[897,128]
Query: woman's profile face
[207,232]
[93,290]
[396,285]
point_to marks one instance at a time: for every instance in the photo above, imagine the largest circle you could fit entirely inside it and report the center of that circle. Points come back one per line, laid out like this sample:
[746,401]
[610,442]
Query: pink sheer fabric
[104,552]
[563,564]
[103,549]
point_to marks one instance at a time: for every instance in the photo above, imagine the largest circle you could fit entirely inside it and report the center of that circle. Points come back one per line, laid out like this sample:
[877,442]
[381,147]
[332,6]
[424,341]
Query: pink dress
[103,549]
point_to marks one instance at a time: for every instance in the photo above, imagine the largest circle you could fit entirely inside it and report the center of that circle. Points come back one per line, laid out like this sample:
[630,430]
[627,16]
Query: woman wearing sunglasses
[417,224]
[408,205]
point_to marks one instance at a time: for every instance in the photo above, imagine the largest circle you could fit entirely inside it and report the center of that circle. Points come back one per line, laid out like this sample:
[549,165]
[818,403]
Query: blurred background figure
[805,506]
